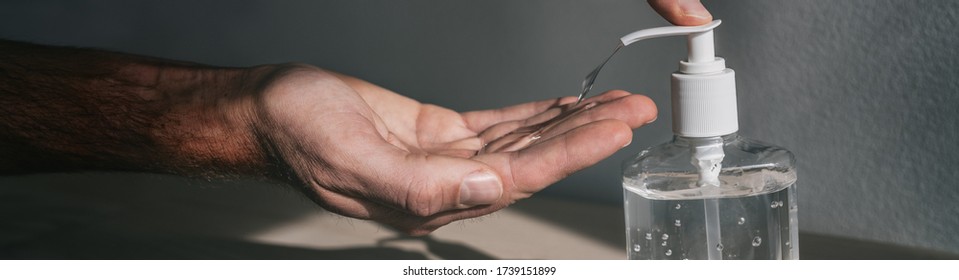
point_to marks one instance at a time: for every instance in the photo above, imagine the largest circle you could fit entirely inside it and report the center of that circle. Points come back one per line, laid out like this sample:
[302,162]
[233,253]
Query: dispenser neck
[700,46]
[684,141]
[702,55]
[704,105]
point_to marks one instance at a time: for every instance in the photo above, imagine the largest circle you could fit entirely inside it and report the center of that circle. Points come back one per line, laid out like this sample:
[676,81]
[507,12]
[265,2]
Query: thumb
[682,12]
[424,184]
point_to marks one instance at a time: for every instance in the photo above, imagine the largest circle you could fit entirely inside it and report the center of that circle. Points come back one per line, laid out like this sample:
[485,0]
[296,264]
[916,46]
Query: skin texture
[356,149]
[682,12]
[413,161]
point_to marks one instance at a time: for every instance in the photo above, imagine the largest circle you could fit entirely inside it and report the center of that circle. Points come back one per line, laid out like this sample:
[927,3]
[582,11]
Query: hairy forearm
[68,109]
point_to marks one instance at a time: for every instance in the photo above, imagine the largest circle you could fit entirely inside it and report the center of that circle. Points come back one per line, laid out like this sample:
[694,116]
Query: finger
[471,143]
[529,170]
[481,120]
[682,12]
[425,184]
[635,110]
[606,96]
[565,102]
[350,158]
[532,169]
[555,111]
[497,131]
[496,134]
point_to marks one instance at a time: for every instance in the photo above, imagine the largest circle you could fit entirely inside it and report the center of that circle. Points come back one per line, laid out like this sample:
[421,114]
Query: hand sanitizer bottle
[709,193]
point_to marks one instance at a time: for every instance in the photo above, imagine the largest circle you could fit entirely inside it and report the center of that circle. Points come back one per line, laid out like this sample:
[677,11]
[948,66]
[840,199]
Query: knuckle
[423,199]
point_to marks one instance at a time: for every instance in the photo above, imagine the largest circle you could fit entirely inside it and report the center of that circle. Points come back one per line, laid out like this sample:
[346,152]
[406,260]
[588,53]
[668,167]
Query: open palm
[366,152]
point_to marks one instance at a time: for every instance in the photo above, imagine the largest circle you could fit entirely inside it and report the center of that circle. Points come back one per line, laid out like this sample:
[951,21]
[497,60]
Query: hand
[682,12]
[356,149]
[365,152]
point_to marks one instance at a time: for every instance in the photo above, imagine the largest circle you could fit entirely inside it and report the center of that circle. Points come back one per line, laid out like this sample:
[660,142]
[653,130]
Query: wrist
[273,93]
[225,125]
[67,109]
[208,129]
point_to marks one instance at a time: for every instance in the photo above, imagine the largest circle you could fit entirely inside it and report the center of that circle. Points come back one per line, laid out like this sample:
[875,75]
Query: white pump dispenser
[703,90]
[709,193]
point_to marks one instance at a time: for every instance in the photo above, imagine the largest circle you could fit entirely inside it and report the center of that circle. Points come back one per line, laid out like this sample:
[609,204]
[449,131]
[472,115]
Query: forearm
[66,109]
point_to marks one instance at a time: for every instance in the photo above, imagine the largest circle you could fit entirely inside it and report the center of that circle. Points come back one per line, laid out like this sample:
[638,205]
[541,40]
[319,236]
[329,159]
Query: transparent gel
[750,214]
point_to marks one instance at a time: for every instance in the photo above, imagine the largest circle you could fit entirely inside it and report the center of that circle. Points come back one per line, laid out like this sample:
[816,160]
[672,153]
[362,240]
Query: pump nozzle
[669,31]
[702,55]
[704,90]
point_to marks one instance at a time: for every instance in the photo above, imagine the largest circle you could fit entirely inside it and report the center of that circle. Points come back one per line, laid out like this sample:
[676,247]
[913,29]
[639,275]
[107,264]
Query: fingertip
[693,13]
[643,109]
[648,109]
[682,12]
[480,188]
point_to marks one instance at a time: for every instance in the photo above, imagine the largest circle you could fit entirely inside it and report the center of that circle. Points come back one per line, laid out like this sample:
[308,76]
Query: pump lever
[667,31]
[700,52]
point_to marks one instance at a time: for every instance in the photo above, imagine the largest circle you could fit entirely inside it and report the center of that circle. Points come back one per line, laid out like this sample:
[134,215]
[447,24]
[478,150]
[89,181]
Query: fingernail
[480,188]
[627,143]
[693,8]
[652,120]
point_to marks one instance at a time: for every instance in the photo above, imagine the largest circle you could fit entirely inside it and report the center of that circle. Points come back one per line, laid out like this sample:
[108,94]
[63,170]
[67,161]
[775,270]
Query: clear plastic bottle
[751,214]
[708,193]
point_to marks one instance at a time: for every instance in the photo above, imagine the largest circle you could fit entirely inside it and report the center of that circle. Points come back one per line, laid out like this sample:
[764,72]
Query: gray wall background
[863,92]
